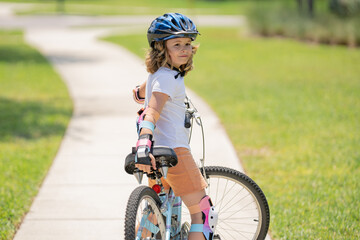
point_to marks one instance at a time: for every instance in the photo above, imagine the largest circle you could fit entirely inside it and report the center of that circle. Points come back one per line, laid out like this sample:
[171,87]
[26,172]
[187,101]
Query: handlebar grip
[187,122]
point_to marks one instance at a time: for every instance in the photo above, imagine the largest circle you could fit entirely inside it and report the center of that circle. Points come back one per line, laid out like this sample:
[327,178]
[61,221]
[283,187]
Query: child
[168,61]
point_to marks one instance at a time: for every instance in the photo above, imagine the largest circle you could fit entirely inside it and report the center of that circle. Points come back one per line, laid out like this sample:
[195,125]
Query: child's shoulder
[164,72]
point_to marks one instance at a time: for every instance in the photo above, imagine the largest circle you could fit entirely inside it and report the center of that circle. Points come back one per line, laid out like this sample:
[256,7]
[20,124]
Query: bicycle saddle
[164,156]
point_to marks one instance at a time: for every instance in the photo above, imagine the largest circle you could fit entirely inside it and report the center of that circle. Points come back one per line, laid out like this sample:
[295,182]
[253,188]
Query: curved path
[85,192]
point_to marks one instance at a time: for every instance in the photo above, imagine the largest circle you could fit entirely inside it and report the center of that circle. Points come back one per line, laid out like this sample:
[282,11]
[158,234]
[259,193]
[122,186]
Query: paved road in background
[85,192]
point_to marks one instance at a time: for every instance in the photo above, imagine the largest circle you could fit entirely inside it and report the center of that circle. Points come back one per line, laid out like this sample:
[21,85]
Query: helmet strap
[181,73]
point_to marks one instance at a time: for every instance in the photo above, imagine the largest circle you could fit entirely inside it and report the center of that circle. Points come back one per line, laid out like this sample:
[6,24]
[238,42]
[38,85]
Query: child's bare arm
[155,106]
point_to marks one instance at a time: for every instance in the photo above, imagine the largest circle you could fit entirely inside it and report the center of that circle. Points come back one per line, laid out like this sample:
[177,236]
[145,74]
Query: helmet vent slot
[183,22]
[174,21]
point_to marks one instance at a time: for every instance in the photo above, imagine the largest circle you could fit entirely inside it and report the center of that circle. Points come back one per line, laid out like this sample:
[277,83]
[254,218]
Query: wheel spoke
[217,188]
[238,193]
[217,202]
[229,230]
[236,231]
[240,210]
[221,201]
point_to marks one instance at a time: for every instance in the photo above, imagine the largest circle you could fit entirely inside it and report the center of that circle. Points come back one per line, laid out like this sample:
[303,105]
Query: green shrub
[280,19]
[345,7]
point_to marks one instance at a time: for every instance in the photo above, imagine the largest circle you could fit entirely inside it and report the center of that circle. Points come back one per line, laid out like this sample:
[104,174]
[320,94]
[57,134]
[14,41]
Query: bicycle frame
[171,210]
[146,223]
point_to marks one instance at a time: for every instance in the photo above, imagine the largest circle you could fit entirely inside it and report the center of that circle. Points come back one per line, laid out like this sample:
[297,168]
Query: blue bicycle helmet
[171,25]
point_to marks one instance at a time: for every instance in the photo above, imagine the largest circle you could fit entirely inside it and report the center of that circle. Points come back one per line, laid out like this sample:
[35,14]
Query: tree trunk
[300,5]
[311,7]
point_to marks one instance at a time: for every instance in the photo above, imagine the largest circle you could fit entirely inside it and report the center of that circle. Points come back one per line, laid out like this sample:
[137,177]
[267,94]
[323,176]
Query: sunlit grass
[141,7]
[34,112]
[292,111]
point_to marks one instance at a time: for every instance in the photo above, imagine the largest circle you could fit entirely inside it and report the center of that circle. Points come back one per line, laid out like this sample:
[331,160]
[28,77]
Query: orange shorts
[185,177]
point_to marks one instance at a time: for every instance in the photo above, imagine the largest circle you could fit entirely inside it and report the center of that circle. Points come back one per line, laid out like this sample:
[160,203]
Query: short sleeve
[165,83]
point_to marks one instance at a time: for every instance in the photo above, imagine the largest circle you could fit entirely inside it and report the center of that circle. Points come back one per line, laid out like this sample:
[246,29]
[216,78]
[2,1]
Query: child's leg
[193,199]
[186,181]
[185,177]
[203,215]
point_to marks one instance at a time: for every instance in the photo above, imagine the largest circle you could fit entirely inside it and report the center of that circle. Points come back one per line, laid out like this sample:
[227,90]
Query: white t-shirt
[169,130]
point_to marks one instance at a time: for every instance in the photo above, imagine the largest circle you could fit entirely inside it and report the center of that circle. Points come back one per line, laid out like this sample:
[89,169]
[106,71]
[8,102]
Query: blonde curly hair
[158,56]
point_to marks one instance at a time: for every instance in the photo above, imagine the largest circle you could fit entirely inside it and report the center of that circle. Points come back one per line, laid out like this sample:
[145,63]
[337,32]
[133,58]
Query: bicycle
[151,213]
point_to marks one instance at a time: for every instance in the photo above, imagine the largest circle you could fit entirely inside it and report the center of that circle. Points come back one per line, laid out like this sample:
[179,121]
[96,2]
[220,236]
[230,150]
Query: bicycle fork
[146,223]
[171,209]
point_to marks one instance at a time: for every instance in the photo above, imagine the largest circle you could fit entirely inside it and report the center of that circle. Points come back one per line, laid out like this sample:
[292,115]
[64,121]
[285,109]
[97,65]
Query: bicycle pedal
[184,232]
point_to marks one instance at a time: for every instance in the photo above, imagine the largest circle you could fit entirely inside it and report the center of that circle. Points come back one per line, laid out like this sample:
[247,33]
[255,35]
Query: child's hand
[143,158]
[147,168]
[136,95]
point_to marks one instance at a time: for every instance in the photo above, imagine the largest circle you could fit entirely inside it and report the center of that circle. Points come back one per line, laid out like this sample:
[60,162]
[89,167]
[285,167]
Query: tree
[309,7]
[344,8]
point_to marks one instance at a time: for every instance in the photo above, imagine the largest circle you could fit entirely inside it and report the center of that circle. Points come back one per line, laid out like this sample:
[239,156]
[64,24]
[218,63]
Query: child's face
[180,50]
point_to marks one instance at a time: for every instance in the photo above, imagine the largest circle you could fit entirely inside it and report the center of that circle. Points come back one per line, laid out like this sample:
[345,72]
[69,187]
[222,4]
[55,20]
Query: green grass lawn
[139,7]
[292,110]
[34,112]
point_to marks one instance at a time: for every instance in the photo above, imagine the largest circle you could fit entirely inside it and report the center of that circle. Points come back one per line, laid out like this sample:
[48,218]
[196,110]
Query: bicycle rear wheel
[242,206]
[143,218]
[243,211]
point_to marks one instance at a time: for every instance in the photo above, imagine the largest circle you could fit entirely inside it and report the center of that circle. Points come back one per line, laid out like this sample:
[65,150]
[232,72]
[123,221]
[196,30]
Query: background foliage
[324,24]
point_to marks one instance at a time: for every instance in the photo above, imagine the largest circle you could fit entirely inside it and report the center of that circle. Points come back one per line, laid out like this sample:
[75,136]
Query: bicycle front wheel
[143,218]
[243,211]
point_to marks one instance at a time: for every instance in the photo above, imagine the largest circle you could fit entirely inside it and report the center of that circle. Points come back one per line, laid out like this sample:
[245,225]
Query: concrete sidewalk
[85,193]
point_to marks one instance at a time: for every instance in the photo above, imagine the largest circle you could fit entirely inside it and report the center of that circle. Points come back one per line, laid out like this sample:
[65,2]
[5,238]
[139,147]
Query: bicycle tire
[243,211]
[143,199]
